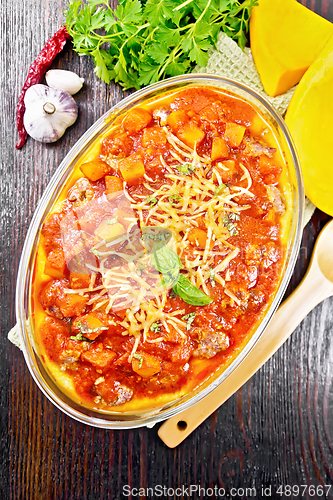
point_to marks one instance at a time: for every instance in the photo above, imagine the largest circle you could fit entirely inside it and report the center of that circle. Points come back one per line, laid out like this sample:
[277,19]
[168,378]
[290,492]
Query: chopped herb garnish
[173,200]
[219,189]
[151,200]
[189,318]
[155,327]
[234,217]
[85,329]
[227,222]
[160,236]
[140,358]
[186,168]
[112,221]
[212,277]
[94,251]
[79,336]
[140,269]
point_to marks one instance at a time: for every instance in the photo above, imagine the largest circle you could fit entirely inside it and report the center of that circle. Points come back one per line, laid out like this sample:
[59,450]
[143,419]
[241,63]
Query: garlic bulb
[48,112]
[64,80]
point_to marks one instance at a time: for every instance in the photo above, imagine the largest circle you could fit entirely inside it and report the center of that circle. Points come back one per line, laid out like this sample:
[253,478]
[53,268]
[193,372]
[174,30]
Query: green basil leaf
[190,293]
[167,262]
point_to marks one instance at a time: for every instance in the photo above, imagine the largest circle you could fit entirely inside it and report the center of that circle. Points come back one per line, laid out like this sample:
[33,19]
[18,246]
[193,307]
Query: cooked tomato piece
[55,265]
[220,150]
[136,120]
[69,304]
[132,169]
[145,365]
[198,237]
[99,356]
[153,136]
[234,134]
[78,280]
[113,184]
[95,169]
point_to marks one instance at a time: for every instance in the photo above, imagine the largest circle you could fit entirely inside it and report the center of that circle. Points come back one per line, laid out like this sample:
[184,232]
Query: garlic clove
[64,80]
[48,113]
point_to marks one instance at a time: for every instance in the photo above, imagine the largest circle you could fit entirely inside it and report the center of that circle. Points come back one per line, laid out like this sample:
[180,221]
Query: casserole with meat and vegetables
[163,252]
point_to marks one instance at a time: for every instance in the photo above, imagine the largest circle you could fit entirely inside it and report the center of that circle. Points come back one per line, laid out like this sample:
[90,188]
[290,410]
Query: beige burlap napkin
[228,60]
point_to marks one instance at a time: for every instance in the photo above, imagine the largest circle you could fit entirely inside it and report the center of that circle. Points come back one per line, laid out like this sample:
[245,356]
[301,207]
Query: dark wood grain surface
[277,429]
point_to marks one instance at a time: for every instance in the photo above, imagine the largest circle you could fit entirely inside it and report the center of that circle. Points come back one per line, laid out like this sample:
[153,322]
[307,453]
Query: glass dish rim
[55,182]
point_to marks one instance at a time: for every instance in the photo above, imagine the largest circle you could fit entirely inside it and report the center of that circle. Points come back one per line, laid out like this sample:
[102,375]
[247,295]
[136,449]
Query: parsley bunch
[141,42]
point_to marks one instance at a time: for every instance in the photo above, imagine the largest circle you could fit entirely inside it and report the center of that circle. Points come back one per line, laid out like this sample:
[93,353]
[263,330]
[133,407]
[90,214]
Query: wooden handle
[312,290]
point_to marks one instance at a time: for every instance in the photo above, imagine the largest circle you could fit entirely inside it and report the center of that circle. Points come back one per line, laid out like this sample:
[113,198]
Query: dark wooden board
[277,429]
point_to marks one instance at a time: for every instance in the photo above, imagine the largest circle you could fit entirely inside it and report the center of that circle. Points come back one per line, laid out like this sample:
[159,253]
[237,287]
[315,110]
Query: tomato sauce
[166,252]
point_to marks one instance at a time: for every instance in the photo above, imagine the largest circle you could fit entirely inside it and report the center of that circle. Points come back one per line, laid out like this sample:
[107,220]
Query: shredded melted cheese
[182,204]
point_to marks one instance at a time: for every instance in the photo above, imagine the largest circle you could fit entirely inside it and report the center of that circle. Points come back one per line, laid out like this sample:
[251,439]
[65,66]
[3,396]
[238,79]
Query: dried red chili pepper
[36,72]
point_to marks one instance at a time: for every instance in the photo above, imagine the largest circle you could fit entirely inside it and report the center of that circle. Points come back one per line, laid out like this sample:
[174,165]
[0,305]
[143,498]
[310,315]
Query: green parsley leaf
[141,42]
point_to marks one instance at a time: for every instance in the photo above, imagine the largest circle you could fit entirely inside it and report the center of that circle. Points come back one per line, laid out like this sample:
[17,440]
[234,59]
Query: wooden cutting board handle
[313,289]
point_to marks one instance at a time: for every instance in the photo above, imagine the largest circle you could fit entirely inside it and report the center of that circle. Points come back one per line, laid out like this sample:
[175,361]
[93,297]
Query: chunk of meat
[210,343]
[271,254]
[255,148]
[54,334]
[99,356]
[161,116]
[113,392]
[81,192]
[51,232]
[117,145]
[275,196]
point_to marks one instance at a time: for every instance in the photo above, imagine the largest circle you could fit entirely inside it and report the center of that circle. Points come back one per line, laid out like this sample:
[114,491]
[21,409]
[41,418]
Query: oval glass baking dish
[24,306]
